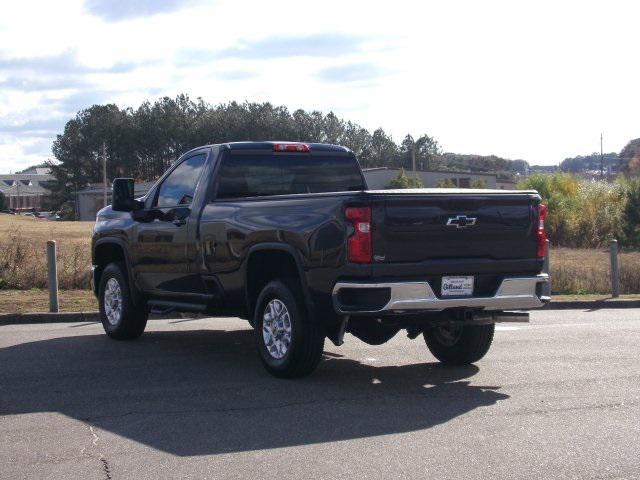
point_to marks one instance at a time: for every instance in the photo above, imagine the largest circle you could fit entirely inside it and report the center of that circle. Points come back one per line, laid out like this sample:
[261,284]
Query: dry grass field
[23,259]
[587,271]
[37,300]
[23,263]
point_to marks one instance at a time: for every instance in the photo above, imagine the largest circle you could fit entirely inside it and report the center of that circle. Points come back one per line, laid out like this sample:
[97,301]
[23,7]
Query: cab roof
[268,145]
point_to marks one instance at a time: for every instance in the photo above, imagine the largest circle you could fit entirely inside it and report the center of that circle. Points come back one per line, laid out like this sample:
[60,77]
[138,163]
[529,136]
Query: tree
[480,164]
[383,151]
[40,165]
[630,158]
[426,150]
[3,202]
[142,142]
[582,163]
[631,214]
[404,181]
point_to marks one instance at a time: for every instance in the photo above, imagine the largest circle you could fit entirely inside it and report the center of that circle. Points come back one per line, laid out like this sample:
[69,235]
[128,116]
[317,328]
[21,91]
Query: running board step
[164,307]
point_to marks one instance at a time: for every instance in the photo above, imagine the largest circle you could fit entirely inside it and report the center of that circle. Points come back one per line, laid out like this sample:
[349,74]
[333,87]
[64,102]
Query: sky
[533,80]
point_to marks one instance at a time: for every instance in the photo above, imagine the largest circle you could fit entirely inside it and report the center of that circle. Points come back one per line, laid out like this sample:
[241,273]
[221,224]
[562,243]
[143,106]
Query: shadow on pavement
[203,392]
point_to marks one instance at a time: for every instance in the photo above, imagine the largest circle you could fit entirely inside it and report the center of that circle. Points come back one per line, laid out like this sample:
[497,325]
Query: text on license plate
[457,286]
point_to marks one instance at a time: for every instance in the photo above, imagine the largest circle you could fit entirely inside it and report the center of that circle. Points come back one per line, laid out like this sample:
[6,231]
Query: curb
[78,317]
[592,305]
[62,317]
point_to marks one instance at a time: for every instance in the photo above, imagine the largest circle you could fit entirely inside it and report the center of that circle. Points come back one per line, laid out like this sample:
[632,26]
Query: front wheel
[289,342]
[121,318]
[458,344]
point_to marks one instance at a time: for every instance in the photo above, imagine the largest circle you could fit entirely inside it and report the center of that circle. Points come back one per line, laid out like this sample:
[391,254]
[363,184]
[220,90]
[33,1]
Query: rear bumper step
[518,293]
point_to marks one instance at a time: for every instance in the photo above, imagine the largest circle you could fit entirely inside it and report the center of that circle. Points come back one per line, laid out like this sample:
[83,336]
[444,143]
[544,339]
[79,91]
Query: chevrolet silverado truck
[287,236]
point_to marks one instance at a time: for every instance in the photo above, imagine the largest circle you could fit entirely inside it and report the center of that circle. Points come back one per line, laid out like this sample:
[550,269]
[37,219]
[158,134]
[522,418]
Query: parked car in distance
[54,216]
[287,236]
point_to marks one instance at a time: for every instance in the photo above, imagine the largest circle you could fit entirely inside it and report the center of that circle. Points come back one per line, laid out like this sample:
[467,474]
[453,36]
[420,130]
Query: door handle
[179,222]
[210,247]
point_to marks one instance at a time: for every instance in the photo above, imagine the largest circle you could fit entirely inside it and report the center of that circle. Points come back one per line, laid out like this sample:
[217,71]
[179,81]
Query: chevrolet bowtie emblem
[461,221]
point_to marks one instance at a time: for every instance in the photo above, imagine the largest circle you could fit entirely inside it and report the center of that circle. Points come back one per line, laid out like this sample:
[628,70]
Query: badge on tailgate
[457,286]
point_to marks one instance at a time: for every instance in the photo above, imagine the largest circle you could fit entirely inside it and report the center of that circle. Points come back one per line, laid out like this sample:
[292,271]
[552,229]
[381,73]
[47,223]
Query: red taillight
[291,147]
[542,235]
[359,244]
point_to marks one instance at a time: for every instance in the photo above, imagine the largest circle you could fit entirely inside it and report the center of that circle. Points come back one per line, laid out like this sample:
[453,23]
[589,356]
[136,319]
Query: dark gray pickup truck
[287,236]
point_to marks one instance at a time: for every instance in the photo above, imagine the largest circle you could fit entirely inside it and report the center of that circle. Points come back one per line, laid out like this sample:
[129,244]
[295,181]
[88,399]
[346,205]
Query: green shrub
[631,214]
[598,217]
[405,181]
[584,214]
[446,183]
[559,193]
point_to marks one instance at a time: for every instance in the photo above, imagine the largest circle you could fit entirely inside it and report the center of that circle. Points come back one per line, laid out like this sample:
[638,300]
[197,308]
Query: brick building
[25,191]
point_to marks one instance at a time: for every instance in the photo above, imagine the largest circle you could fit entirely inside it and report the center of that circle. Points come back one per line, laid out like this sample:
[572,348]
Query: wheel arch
[111,250]
[268,261]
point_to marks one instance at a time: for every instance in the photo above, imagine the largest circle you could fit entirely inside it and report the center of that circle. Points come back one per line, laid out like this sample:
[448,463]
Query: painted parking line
[507,328]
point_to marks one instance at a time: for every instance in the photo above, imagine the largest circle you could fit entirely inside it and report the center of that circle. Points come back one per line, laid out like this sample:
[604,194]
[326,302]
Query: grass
[37,300]
[588,271]
[593,298]
[23,259]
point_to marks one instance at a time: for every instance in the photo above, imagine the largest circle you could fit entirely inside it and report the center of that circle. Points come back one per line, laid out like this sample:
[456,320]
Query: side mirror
[122,198]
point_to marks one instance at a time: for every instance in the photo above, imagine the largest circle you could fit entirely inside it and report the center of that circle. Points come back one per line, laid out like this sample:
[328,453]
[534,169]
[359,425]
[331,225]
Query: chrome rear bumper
[519,293]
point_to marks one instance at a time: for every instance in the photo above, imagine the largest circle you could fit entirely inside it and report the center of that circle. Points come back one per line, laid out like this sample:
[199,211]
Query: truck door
[162,239]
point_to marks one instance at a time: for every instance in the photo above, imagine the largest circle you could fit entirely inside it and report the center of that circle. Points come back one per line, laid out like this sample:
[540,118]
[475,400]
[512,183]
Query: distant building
[379,178]
[503,184]
[26,191]
[91,199]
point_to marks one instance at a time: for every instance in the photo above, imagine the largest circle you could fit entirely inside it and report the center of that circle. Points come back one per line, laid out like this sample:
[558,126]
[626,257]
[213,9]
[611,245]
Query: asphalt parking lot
[558,398]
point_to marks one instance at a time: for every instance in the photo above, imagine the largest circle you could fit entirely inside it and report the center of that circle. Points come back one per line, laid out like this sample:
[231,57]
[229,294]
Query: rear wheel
[290,344]
[121,318]
[458,344]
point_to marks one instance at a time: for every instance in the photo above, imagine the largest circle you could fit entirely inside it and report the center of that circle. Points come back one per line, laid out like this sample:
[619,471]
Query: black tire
[461,347]
[304,351]
[132,319]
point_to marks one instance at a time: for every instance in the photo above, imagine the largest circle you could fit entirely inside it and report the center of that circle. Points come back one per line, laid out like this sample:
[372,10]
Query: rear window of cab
[255,175]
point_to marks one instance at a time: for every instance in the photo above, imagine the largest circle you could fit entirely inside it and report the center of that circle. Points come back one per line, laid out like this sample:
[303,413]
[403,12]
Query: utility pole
[413,160]
[76,204]
[601,158]
[104,172]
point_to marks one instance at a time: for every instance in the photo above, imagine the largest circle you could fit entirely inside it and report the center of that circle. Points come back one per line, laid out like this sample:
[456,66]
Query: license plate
[457,286]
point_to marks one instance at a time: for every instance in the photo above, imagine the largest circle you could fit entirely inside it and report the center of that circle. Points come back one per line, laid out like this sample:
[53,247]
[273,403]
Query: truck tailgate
[417,227]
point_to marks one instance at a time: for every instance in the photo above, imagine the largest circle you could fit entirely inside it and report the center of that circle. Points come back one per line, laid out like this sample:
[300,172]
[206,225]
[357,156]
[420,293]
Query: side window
[179,187]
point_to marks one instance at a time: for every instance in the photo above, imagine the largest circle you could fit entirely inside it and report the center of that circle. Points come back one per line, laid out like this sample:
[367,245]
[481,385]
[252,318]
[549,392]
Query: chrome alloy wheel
[449,335]
[113,301]
[276,329]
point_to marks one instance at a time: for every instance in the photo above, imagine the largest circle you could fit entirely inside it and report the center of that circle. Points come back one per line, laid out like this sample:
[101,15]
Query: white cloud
[535,80]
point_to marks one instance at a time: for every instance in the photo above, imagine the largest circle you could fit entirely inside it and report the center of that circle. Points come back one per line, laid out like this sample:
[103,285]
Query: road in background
[559,398]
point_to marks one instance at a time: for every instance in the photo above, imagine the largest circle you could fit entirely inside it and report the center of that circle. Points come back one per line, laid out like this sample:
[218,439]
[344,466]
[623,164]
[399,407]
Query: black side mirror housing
[122,198]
